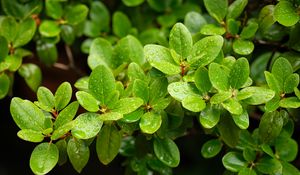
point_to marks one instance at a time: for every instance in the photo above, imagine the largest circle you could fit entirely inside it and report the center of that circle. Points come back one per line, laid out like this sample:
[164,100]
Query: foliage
[226,66]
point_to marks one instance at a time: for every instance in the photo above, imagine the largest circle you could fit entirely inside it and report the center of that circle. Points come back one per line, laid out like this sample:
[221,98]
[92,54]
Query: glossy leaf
[45,98]
[273,83]
[181,40]
[202,81]
[32,75]
[47,52]
[242,120]
[108,143]
[289,169]
[166,151]
[61,131]
[87,125]
[49,28]
[247,171]
[78,153]
[87,101]
[286,148]
[180,90]
[76,14]
[194,103]
[127,105]
[211,29]
[260,95]
[234,161]
[194,21]
[242,47]
[14,62]
[110,116]
[26,31]
[66,115]
[63,95]
[249,31]
[62,148]
[216,8]
[31,135]
[43,158]
[218,77]
[209,117]
[281,69]
[150,122]
[285,13]
[236,8]
[100,53]
[270,126]
[239,73]
[269,165]
[229,131]
[211,148]
[8,28]
[160,58]
[266,17]
[5,84]
[141,90]
[135,72]
[290,83]
[233,106]
[205,51]
[290,102]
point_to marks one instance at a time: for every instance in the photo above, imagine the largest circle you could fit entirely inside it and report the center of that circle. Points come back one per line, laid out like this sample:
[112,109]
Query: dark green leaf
[282,69]
[47,52]
[141,90]
[44,158]
[63,155]
[100,53]
[150,122]
[229,131]
[5,84]
[54,9]
[194,21]
[269,165]
[236,8]
[234,161]
[202,81]
[79,153]
[286,148]
[211,148]
[266,17]
[273,83]
[3,48]
[32,75]
[63,95]
[108,143]
[181,40]
[68,34]
[270,126]
[289,169]
[133,116]
[247,171]
[249,31]
[166,151]
[127,105]
[132,3]
[121,25]
[100,14]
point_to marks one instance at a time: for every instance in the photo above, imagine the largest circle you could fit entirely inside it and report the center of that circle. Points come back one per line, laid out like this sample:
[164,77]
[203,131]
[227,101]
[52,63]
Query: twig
[61,66]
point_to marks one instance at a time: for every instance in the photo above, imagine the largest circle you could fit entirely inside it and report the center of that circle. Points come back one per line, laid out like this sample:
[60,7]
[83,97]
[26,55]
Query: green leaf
[285,13]
[202,81]
[166,151]
[266,18]
[141,90]
[229,131]
[269,165]
[133,116]
[249,154]
[5,84]
[205,51]
[66,115]
[212,29]
[247,171]
[236,8]
[26,31]
[242,121]
[3,48]
[260,95]
[239,73]
[26,115]
[68,34]
[54,9]
[31,135]
[194,103]
[121,24]
[47,52]
[49,28]
[32,75]
[161,58]
[63,95]
[161,103]
[135,72]
[194,21]
[101,83]
[211,148]
[79,154]
[62,130]
[249,31]
[87,101]
[297,92]
[209,117]
[233,26]
[127,105]
[100,14]
[14,61]
[220,97]
[108,143]
[290,102]
[216,8]
[157,89]
[289,169]
[82,83]
[45,98]
[150,122]
[44,157]
[180,90]
[100,53]
[129,48]
[8,28]
[181,40]
[270,126]
[286,148]
[282,69]
[233,106]
[75,14]
[290,83]
[242,47]
[62,148]
[132,3]
[218,77]
[273,83]
[111,116]
[234,161]
[87,125]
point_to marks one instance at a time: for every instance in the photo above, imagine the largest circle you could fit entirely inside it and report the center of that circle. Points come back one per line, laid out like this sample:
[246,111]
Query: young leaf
[233,106]
[166,151]
[243,47]
[234,161]
[5,84]
[141,90]
[269,165]
[218,77]
[150,122]
[49,28]
[181,40]
[31,135]
[101,83]
[236,9]
[127,105]
[87,101]
[87,125]
[108,143]
[211,148]
[209,117]
[100,53]
[14,61]
[216,8]
[75,14]
[161,58]
[66,115]
[44,157]
[32,75]
[79,153]
[121,25]
[220,97]
[290,83]
[26,115]
[180,90]
[205,51]
[63,96]
[45,97]
[290,102]
[260,95]
[239,73]
[193,103]
[202,81]
[242,120]
[270,126]
[285,13]
[62,130]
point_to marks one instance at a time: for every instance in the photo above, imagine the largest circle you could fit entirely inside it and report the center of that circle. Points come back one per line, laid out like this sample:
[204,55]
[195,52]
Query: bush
[160,70]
